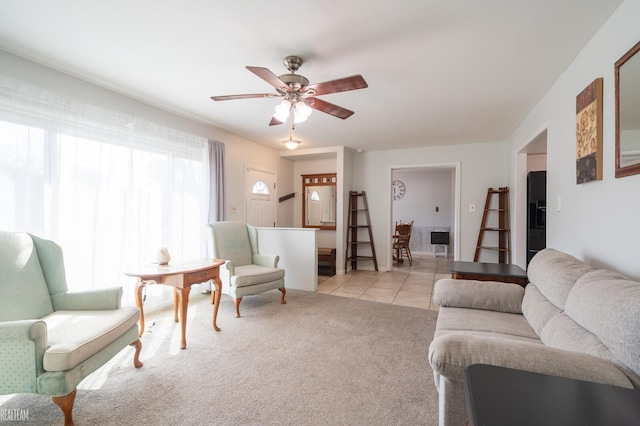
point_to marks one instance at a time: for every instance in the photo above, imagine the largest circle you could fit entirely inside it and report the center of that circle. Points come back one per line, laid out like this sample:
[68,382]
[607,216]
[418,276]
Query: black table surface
[495,269]
[504,396]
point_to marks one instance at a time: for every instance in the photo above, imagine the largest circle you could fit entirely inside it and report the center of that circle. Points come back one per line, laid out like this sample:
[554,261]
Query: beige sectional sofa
[572,320]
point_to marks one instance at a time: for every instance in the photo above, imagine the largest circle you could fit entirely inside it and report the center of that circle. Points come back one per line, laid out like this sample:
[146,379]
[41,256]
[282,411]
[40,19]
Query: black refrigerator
[536,213]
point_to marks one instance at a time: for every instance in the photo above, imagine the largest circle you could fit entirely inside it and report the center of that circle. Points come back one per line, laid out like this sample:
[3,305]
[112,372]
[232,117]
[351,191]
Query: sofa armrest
[486,295]
[98,299]
[451,353]
[266,260]
[21,365]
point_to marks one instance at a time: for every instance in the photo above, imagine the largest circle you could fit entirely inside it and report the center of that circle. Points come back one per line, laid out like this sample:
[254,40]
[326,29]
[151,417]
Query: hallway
[406,285]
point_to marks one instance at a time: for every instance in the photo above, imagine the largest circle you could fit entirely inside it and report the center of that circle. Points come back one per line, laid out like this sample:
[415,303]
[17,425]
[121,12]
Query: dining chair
[401,239]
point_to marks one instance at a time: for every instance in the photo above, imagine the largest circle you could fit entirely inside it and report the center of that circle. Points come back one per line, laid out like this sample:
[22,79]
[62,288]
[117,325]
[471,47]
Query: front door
[260,197]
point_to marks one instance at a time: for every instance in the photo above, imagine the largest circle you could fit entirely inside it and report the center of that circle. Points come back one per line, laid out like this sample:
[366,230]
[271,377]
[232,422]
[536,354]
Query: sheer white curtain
[109,188]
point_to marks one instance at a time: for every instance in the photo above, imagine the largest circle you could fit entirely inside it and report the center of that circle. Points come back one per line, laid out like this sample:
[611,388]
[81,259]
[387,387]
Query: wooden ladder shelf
[493,213]
[358,211]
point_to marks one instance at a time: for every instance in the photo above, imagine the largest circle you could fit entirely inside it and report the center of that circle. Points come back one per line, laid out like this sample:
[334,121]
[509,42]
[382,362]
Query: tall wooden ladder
[496,219]
[359,211]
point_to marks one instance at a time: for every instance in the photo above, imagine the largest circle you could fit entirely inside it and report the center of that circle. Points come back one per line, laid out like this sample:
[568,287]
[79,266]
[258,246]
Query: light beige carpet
[318,360]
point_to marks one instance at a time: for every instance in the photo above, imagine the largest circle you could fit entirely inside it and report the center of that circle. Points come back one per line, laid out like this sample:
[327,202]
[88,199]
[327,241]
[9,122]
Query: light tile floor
[407,285]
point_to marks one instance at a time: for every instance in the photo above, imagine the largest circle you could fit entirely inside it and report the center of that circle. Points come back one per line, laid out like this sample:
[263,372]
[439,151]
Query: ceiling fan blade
[340,85]
[248,96]
[329,108]
[269,77]
[275,122]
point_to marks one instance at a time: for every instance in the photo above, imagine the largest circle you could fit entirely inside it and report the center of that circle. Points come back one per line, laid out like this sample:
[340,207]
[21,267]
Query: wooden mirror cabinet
[627,86]
[319,201]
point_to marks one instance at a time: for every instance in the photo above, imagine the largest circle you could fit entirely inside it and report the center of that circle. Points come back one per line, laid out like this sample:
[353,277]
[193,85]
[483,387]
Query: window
[22,175]
[260,188]
[110,189]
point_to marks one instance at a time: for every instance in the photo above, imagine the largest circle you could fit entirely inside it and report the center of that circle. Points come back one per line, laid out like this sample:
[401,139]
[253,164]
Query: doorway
[430,196]
[531,158]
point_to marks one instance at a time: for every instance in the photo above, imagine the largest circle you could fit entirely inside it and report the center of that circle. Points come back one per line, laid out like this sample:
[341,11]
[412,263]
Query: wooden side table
[327,255]
[181,276]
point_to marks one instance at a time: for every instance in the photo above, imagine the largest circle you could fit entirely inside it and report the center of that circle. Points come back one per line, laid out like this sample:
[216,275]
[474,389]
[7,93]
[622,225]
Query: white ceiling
[439,71]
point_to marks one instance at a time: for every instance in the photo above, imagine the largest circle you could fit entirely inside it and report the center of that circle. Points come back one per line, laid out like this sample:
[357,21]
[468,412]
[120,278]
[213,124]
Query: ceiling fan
[300,96]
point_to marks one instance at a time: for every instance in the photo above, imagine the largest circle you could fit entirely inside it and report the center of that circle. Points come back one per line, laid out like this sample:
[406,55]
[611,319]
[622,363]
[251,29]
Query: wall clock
[398,189]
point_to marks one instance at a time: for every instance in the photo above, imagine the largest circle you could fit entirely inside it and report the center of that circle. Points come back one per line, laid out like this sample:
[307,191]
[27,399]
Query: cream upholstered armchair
[50,338]
[248,272]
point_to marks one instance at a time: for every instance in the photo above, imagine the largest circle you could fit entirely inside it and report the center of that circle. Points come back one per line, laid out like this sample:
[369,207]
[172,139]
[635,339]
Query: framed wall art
[589,133]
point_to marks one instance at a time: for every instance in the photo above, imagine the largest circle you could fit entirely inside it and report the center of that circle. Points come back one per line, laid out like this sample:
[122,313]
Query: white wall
[239,152]
[482,166]
[598,221]
[426,190]
[345,163]
[536,162]
[297,248]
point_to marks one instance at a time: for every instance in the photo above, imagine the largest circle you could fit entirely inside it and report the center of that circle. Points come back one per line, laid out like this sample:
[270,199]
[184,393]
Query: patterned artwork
[589,133]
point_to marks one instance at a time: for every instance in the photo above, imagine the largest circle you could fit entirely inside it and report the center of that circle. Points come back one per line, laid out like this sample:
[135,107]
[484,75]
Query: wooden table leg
[216,301]
[141,284]
[183,297]
[176,303]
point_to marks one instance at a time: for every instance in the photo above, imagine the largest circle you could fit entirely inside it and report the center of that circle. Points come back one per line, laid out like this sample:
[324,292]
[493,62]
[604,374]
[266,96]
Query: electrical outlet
[472,208]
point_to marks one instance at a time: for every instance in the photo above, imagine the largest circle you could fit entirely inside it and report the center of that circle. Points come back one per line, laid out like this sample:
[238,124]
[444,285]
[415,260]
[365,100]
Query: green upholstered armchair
[50,338]
[247,271]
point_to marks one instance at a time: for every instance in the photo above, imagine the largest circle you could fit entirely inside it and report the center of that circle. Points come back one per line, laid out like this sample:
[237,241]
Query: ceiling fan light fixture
[282,110]
[291,144]
[301,111]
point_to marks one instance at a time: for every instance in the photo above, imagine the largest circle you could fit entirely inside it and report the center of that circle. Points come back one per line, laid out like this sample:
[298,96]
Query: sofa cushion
[25,294]
[74,336]
[564,333]
[537,309]
[477,320]
[487,295]
[608,305]
[253,274]
[554,273]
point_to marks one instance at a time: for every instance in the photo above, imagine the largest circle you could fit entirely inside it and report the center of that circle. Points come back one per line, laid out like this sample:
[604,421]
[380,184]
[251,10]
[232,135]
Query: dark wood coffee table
[504,396]
[489,272]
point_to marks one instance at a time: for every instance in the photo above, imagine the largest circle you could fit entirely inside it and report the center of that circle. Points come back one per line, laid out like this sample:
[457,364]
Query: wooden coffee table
[502,272]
